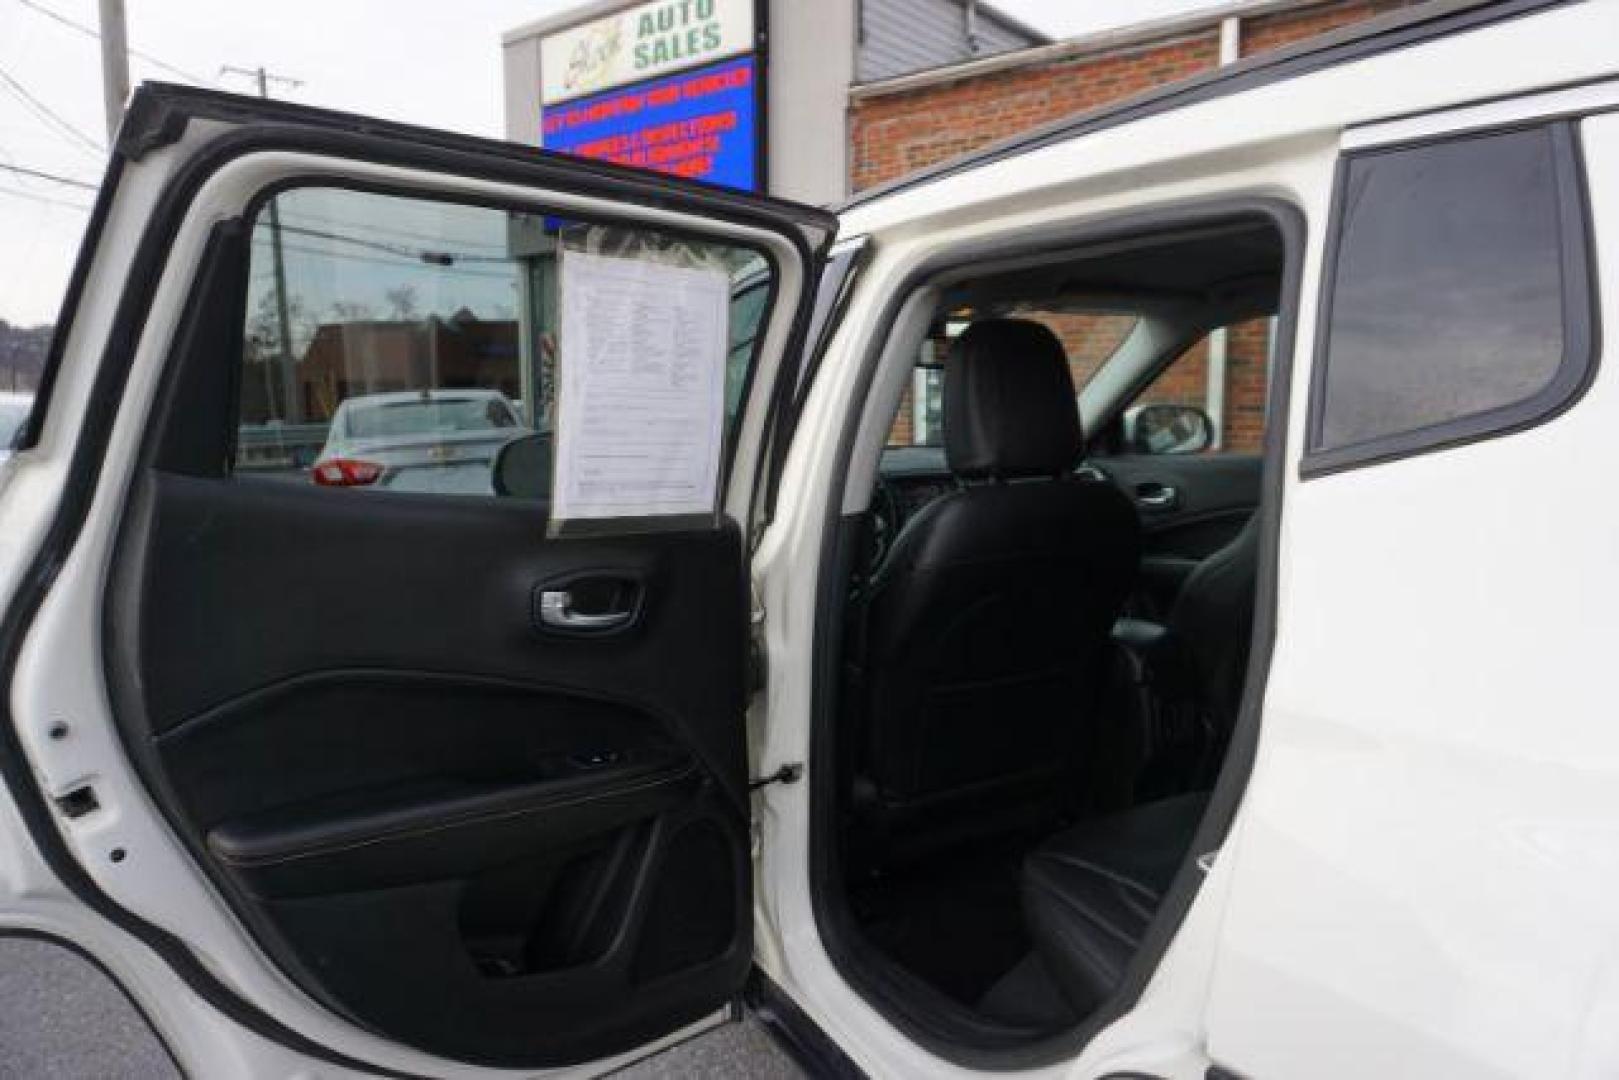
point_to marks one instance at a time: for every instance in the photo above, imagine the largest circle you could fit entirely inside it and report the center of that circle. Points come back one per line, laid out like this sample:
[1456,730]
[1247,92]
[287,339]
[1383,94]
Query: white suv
[1120,604]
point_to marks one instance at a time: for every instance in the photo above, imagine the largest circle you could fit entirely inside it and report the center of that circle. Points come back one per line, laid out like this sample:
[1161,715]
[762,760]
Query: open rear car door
[343,734]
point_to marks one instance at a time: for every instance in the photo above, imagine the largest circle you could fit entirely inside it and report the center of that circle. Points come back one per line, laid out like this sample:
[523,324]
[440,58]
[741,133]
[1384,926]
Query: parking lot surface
[62,1019]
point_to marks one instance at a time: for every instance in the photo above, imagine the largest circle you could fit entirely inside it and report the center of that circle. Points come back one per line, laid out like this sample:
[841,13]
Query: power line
[262,76]
[90,31]
[46,113]
[435,257]
[52,177]
[409,234]
[20,193]
[405,263]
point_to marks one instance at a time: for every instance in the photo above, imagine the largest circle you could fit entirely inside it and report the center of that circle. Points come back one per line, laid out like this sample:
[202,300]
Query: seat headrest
[1009,407]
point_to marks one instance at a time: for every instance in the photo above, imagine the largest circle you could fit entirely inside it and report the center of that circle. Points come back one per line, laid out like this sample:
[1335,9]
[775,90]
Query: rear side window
[405,344]
[1458,304]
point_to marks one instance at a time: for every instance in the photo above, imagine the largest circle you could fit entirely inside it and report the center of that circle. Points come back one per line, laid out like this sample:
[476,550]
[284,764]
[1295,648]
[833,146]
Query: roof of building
[897,37]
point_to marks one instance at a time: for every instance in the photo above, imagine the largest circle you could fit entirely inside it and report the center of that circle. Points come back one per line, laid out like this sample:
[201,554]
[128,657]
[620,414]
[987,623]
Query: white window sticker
[642,405]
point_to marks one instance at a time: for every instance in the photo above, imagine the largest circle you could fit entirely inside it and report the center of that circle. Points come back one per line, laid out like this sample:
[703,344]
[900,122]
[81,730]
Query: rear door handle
[588,604]
[556,612]
[1157,496]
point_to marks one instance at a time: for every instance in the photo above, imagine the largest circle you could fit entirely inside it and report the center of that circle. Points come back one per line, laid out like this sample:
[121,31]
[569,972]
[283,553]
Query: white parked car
[429,440]
[1271,738]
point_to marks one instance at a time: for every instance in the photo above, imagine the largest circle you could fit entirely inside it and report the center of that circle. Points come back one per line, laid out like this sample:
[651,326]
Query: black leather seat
[1212,621]
[1090,893]
[1187,675]
[985,628]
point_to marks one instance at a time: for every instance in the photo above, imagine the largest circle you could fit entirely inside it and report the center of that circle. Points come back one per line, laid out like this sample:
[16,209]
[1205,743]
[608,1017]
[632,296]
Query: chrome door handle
[1157,497]
[556,612]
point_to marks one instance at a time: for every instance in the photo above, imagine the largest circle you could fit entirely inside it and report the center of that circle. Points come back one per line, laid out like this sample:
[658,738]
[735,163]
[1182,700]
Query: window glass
[1185,409]
[1447,293]
[14,410]
[399,343]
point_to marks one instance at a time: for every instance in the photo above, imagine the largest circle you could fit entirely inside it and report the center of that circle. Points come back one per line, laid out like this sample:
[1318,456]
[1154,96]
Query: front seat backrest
[986,625]
[1212,622]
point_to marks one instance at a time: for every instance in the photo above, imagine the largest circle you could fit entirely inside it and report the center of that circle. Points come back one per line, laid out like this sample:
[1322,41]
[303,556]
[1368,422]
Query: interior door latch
[787,774]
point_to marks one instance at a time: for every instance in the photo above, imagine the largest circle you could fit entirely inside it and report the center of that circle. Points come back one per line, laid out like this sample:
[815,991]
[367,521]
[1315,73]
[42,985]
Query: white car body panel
[1236,986]
[1431,841]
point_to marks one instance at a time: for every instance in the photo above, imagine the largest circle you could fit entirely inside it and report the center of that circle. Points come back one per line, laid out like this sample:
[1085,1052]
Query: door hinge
[787,774]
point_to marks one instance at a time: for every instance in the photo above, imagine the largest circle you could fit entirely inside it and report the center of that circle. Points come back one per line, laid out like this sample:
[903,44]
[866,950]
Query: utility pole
[289,374]
[114,64]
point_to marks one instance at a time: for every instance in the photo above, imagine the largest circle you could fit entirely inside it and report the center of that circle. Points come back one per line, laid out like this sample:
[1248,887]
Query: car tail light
[346,472]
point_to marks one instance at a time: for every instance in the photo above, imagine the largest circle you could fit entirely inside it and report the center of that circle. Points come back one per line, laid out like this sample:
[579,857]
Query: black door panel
[439,828]
[1190,507]
[467,831]
[576,953]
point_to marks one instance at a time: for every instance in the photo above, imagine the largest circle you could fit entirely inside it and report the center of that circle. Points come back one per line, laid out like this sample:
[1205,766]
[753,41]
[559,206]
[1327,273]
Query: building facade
[808,55]
[901,124]
[859,93]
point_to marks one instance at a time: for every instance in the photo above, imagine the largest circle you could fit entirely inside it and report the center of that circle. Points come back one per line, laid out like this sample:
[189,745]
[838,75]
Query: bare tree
[352,311]
[262,344]
[402,301]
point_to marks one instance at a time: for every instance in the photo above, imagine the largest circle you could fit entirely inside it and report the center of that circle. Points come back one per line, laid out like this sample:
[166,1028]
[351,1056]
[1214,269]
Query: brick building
[372,356]
[899,125]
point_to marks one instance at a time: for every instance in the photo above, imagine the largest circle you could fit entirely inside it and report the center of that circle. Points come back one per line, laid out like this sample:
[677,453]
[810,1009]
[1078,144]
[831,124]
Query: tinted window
[1448,294]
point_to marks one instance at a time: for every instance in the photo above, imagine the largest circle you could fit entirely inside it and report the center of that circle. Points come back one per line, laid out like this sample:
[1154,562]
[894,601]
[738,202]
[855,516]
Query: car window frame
[1581,330]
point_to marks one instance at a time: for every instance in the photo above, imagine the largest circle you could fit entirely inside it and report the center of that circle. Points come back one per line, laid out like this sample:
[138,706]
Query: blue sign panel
[700,123]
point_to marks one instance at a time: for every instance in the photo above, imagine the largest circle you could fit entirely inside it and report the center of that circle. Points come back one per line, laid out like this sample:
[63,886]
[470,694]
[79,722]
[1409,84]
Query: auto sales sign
[671,85]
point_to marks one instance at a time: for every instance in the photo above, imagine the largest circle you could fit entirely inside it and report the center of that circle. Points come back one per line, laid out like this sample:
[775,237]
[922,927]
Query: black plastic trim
[889,990]
[159,114]
[1384,34]
[821,327]
[1581,319]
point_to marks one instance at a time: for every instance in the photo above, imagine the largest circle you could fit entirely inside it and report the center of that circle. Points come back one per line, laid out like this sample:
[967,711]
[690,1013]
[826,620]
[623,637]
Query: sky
[429,62]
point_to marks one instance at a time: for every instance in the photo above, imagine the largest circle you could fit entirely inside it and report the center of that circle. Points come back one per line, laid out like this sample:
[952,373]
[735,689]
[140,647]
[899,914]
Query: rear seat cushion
[1089,893]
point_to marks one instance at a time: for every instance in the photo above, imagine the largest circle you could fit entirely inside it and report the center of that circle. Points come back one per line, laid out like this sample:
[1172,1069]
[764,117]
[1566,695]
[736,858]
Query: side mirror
[522,467]
[1167,429]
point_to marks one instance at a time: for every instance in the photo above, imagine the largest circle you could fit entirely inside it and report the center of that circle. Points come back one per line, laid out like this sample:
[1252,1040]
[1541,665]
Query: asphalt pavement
[62,1019]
